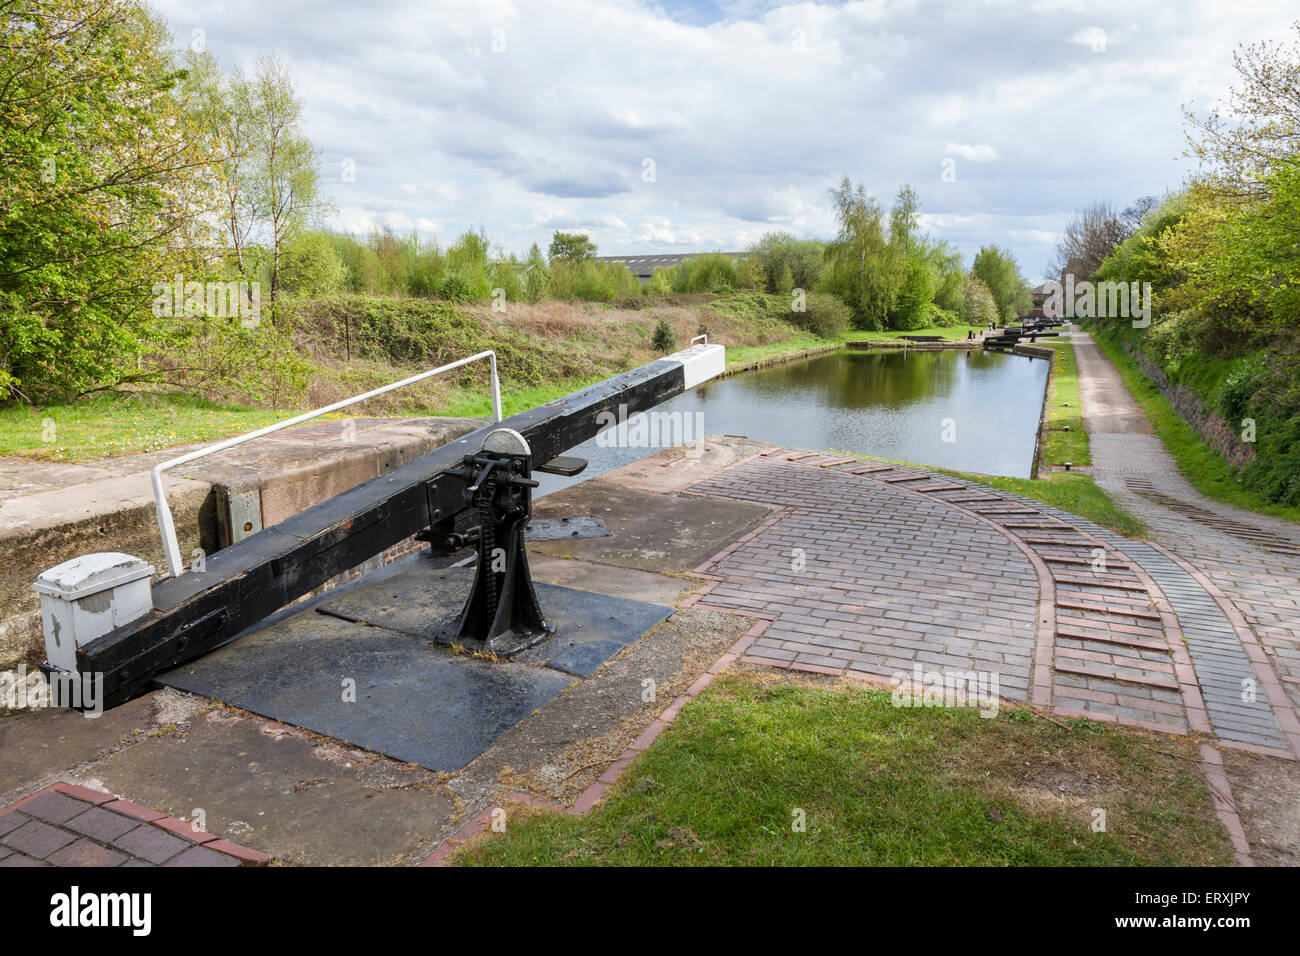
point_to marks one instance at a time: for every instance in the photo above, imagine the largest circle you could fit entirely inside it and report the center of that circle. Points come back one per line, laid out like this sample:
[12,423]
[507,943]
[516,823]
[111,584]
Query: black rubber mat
[414,701]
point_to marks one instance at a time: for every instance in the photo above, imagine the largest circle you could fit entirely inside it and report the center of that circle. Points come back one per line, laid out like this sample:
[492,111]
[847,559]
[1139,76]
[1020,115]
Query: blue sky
[527,117]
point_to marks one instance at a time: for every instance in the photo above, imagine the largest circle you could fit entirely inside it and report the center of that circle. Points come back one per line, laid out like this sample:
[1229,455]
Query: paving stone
[38,839]
[12,821]
[151,844]
[103,825]
[54,807]
[85,852]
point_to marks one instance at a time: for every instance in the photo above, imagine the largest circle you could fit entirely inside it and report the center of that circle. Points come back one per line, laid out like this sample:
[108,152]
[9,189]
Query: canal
[970,411]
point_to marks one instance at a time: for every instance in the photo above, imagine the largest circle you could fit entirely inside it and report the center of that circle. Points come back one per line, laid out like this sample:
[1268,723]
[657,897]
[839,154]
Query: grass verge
[1207,471]
[124,424]
[880,785]
[1065,438]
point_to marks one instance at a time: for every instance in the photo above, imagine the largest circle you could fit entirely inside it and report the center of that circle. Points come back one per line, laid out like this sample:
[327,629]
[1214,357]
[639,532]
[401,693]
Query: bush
[592,280]
[664,339]
[943,318]
[711,272]
[454,288]
[825,316]
[311,267]
[661,280]
[779,262]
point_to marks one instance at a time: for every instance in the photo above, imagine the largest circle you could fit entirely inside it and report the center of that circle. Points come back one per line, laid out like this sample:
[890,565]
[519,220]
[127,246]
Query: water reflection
[886,404]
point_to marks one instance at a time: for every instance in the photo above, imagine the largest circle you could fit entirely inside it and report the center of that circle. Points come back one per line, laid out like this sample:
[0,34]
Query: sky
[686,126]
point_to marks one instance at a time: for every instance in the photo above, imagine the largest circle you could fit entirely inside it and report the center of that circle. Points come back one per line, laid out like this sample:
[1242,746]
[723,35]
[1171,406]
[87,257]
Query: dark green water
[971,411]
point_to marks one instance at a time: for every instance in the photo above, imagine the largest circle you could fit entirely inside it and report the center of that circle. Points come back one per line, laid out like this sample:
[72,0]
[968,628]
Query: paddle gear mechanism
[502,615]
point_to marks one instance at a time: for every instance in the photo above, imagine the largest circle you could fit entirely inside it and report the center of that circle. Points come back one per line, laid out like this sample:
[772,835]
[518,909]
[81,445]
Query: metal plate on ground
[422,601]
[562,529]
[414,701]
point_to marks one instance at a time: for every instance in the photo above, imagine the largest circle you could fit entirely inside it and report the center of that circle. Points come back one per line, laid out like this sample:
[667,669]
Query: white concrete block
[89,596]
[701,362]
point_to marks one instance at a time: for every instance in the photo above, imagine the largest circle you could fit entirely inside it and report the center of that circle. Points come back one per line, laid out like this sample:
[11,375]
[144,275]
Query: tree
[784,262]
[311,267]
[1090,236]
[284,165]
[571,247]
[997,269]
[1258,127]
[102,194]
[223,115]
[977,306]
[859,271]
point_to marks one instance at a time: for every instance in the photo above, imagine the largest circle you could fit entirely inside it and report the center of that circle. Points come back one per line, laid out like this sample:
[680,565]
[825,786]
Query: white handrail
[167,527]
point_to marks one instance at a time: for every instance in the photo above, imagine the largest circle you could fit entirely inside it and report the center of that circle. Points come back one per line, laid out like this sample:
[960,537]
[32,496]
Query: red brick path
[69,825]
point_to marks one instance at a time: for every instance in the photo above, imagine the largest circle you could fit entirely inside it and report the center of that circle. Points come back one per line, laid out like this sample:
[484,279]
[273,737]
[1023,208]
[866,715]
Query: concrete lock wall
[214,501]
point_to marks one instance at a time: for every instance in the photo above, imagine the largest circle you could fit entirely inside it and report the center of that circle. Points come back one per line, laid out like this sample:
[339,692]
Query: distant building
[642,266]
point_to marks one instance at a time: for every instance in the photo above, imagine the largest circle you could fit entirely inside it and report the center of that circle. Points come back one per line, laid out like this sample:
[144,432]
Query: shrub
[661,280]
[825,316]
[943,318]
[664,339]
[781,262]
[711,272]
[592,280]
[454,288]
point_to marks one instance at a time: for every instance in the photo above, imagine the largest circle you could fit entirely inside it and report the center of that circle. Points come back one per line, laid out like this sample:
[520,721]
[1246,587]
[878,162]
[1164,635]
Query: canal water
[971,411]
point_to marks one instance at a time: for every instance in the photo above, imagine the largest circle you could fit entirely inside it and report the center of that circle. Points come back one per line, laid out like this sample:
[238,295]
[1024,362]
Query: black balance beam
[251,579]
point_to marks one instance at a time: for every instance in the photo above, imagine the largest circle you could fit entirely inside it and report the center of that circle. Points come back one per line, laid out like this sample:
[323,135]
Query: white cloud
[978,154]
[746,131]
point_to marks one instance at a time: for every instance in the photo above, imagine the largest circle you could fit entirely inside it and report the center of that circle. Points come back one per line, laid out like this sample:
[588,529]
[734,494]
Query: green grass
[1065,438]
[879,786]
[1207,471]
[105,427]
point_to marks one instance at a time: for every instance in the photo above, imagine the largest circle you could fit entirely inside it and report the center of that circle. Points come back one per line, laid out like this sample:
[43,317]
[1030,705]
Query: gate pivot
[502,615]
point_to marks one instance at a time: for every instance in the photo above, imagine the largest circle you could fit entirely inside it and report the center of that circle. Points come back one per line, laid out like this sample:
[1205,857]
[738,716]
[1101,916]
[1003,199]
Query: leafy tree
[571,247]
[1257,129]
[103,192]
[783,262]
[537,276]
[997,269]
[711,272]
[860,271]
[978,306]
[283,165]
[311,267]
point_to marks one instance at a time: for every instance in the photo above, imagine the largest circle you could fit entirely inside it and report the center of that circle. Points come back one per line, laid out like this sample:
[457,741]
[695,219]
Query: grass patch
[1065,438]
[1207,471]
[124,424]
[879,786]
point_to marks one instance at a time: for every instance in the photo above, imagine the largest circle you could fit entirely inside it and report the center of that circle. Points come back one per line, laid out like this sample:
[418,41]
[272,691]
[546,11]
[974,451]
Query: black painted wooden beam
[253,578]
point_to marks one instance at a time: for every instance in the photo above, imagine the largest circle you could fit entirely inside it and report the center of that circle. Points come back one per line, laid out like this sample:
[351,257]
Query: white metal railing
[167,527]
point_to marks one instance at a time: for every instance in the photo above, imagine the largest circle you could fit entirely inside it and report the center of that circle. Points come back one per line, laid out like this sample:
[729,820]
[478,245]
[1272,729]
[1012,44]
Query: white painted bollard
[87,597]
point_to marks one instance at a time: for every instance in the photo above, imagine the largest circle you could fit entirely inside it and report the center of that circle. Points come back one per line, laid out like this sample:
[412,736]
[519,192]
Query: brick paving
[873,569]
[1251,560]
[68,825]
